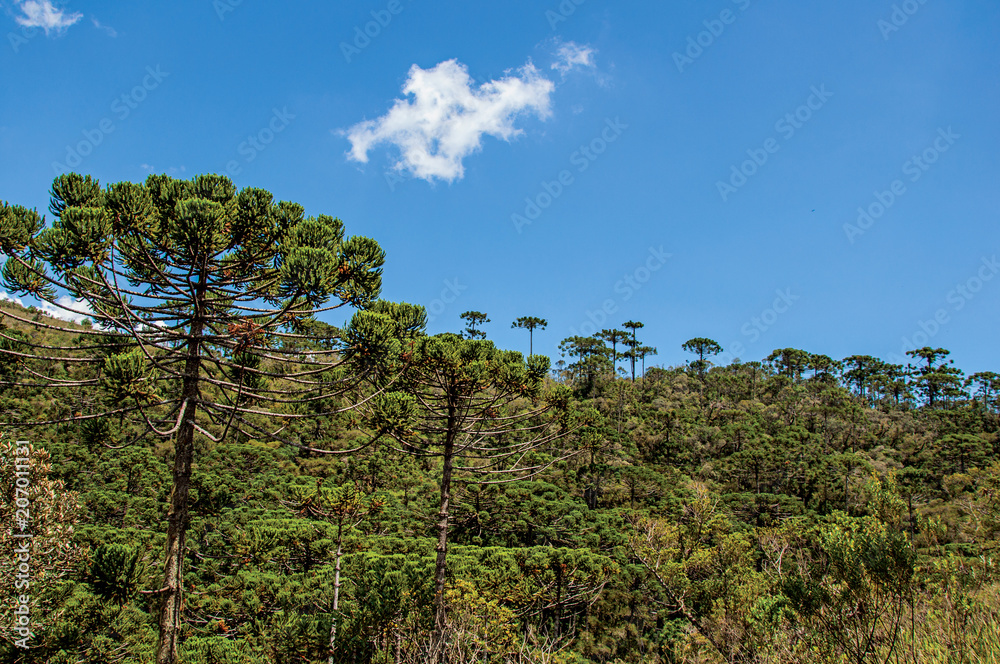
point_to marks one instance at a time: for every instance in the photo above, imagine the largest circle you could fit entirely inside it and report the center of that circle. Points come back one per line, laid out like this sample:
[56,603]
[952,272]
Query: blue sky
[701,167]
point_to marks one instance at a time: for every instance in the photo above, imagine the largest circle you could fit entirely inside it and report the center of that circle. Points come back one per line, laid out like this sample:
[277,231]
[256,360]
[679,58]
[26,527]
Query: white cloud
[107,29]
[43,14]
[571,55]
[4,297]
[445,117]
[78,309]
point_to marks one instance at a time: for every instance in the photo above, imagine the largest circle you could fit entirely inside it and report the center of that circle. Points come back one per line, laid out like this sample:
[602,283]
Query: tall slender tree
[529,323]
[988,384]
[634,343]
[859,370]
[477,409]
[346,507]
[201,285]
[701,347]
[592,359]
[613,337]
[790,362]
[475,320]
[935,379]
[641,352]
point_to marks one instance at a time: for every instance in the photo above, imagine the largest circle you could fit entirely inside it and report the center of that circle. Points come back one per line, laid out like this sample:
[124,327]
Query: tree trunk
[177,515]
[336,590]
[440,616]
[177,522]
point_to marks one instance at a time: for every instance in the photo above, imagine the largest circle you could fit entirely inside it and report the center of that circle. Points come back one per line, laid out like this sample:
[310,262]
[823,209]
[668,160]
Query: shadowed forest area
[216,475]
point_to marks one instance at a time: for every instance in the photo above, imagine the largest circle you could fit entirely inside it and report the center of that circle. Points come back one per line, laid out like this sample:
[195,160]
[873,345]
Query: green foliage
[128,376]
[701,347]
[114,572]
[475,320]
[798,510]
[530,323]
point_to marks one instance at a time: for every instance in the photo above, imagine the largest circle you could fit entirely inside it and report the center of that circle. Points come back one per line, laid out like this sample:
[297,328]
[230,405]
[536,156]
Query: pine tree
[207,289]
[475,319]
[529,323]
[480,411]
[633,343]
[701,347]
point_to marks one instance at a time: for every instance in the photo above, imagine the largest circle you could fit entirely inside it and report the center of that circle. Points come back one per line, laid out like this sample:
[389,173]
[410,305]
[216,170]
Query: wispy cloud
[446,116]
[43,14]
[571,56]
[107,29]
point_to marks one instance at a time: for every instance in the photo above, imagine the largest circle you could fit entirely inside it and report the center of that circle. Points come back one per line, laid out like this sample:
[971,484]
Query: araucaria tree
[529,323]
[633,343]
[641,353]
[475,319]
[477,409]
[701,347]
[204,292]
[614,337]
[934,380]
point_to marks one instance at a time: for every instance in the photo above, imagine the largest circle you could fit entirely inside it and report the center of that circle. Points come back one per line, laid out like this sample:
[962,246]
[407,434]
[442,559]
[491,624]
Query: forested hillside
[374,494]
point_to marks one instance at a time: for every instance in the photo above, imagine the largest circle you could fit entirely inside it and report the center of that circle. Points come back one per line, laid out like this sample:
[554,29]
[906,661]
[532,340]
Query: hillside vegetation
[210,474]
[746,513]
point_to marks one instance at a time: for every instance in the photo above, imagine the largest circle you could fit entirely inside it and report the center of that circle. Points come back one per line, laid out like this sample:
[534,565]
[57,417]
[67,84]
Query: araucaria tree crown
[202,299]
